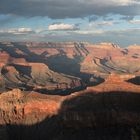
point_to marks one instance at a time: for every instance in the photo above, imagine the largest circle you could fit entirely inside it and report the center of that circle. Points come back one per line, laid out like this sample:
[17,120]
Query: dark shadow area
[103,116]
[81,49]
[62,64]
[88,80]
[91,79]
[11,51]
[60,92]
[12,85]
[16,80]
[23,70]
[125,51]
[135,80]
[22,48]
[27,54]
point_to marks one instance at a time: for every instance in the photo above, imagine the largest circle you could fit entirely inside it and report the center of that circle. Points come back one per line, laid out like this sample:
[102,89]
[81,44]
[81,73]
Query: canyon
[69,90]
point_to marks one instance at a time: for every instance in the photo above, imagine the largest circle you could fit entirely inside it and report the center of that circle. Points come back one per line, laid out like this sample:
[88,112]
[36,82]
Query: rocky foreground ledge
[95,113]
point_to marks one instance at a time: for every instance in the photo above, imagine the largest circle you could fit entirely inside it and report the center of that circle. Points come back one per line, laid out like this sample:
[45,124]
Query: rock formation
[89,91]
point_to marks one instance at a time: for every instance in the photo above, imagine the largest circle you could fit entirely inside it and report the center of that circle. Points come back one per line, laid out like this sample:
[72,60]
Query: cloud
[62,27]
[88,32]
[69,8]
[124,37]
[93,25]
[17,31]
[134,21]
[105,23]
[125,2]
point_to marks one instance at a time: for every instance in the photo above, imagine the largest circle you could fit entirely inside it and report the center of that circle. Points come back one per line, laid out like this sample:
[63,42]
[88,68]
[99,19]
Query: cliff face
[24,69]
[55,66]
[89,91]
[26,108]
[98,111]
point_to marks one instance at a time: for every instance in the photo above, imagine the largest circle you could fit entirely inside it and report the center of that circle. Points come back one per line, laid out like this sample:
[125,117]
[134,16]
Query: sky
[116,21]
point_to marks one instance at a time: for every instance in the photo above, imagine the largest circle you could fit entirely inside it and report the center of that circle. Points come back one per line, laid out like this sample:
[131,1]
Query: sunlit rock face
[17,107]
[115,82]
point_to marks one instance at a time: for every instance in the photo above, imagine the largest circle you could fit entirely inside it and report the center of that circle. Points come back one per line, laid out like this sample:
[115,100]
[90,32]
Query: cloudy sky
[116,21]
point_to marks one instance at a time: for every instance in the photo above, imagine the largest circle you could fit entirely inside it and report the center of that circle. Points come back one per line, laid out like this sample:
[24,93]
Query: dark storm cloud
[93,18]
[6,19]
[69,8]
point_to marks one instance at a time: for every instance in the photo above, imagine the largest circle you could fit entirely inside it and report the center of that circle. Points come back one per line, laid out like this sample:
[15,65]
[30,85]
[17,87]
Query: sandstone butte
[115,82]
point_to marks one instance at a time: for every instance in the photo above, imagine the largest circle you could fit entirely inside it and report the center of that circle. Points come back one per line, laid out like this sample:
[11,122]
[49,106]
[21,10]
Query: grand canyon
[69,91]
